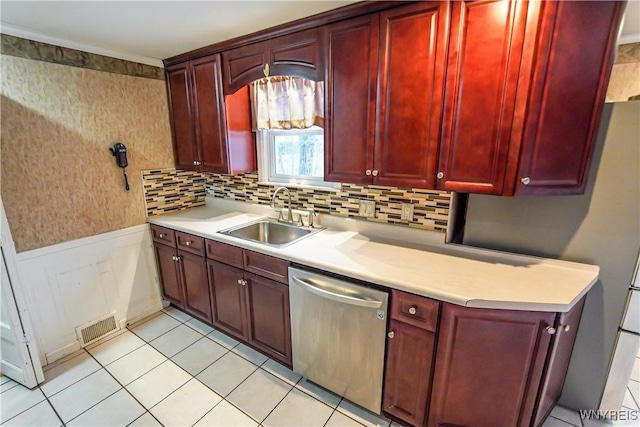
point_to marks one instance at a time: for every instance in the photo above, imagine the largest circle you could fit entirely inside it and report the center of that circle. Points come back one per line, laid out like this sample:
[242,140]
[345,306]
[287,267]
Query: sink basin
[270,233]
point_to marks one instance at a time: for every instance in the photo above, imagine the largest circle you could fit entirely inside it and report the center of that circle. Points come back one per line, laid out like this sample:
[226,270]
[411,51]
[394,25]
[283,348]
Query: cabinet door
[269,324]
[169,271]
[228,299]
[210,119]
[556,372]
[297,54]
[488,366]
[197,299]
[482,78]
[350,98]
[569,84]
[408,370]
[184,140]
[243,65]
[413,43]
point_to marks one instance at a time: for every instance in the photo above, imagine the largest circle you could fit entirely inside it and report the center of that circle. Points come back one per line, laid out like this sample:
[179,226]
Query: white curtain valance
[287,103]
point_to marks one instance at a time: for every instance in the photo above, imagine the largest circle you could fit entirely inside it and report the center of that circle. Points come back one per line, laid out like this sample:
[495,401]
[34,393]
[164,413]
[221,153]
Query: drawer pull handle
[188,243]
[412,310]
[551,330]
[161,235]
[391,334]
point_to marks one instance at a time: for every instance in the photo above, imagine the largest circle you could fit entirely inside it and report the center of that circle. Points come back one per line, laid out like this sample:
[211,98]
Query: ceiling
[149,31]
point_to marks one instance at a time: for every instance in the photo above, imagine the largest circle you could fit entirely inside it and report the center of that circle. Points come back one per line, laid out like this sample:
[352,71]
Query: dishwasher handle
[347,299]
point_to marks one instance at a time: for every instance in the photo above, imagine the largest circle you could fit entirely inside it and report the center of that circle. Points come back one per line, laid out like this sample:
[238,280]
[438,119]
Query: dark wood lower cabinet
[168,270]
[408,371]
[268,310]
[489,366]
[228,299]
[251,308]
[197,300]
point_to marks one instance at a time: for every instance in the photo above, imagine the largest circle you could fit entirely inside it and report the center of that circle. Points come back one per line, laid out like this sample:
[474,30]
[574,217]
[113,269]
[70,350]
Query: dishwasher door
[338,335]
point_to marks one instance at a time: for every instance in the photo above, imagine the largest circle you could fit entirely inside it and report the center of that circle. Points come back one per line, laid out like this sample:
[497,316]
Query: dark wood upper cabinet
[412,64]
[385,79]
[350,97]
[489,366]
[185,149]
[523,95]
[482,78]
[568,87]
[297,54]
[211,132]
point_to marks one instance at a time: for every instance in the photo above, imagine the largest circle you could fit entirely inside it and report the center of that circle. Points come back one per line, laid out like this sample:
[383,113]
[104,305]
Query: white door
[16,339]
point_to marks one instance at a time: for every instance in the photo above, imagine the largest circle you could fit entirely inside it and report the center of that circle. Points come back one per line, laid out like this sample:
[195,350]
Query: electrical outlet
[407,212]
[367,208]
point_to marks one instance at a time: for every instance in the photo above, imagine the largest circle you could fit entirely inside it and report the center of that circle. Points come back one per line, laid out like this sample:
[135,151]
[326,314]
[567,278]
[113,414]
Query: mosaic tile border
[170,190]
[30,49]
[431,208]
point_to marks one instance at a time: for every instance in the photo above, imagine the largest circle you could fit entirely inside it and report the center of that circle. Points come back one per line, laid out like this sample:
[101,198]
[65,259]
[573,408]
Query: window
[292,156]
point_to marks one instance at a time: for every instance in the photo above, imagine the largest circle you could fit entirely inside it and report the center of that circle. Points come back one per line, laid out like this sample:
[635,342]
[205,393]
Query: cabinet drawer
[228,254]
[414,310]
[267,266]
[190,243]
[163,235]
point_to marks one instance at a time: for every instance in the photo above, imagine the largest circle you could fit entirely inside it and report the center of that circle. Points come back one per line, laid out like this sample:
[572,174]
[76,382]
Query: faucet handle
[312,213]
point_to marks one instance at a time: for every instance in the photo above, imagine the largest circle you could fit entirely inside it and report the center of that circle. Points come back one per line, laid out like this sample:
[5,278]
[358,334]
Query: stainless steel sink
[270,233]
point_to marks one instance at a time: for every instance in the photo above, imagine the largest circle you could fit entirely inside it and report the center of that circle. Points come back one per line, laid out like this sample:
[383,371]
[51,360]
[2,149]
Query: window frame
[265,144]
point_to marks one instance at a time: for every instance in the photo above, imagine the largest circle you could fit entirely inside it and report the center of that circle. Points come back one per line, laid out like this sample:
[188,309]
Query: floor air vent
[97,329]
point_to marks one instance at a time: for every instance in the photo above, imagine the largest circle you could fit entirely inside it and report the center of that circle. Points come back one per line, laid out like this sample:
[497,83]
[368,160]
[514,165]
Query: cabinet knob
[195,163]
[244,283]
[551,330]
[175,258]
[412,310]
[239,281]
[567,328]
[440,175]
[368,172]
[526,180]
[266,70]
[375,172]
[161,235]
[391,334]
[188,243]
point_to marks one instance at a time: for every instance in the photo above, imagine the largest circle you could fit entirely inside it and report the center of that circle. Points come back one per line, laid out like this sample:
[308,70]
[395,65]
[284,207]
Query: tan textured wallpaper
[59,182]
[625,75]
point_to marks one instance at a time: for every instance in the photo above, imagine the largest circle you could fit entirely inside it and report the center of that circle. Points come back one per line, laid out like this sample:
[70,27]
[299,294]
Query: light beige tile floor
[173,370]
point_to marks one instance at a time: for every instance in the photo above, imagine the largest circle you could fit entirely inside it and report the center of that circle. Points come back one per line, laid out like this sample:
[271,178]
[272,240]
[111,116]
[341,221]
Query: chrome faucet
[273,203]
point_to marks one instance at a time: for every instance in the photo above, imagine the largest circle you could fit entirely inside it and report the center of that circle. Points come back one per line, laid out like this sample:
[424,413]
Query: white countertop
[457,274]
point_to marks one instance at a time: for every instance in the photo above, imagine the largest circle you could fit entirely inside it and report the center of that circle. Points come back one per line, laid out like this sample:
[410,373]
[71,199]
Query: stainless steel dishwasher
[338,332]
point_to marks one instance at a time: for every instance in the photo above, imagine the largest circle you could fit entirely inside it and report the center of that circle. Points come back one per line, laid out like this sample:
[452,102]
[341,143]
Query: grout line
[633,397]
[125,389]
[46,399]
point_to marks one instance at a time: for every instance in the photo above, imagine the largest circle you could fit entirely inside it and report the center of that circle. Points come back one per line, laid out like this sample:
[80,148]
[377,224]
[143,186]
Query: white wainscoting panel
[74,283]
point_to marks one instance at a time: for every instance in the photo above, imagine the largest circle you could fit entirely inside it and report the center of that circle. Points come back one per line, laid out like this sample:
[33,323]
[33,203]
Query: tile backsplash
[169,190]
